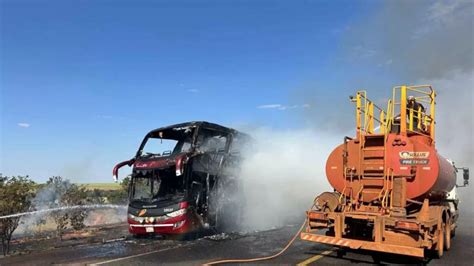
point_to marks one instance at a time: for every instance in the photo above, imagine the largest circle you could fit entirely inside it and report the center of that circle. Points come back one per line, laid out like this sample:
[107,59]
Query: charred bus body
[393,192]
[183,179]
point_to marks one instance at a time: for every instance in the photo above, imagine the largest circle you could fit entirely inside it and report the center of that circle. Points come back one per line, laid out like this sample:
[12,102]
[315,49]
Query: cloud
[442,12]
[424,39]
[23,125]
[192,90]
[270,106]
[283,107]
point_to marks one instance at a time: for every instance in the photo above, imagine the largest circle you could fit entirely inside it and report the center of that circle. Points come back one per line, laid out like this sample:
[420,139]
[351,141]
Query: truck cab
[180,175]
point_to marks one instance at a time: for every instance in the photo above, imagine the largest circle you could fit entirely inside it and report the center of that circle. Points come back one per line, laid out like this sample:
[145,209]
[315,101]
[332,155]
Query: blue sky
[83,81]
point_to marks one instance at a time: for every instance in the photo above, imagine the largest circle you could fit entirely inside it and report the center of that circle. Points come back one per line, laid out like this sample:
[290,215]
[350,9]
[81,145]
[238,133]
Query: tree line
[20,194]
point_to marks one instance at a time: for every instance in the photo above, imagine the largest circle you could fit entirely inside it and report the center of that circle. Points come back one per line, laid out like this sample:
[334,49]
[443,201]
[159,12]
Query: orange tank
[391,185]
[412,156]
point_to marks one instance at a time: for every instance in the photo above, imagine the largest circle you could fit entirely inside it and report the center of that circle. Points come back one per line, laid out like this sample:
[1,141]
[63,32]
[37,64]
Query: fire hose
[259,258]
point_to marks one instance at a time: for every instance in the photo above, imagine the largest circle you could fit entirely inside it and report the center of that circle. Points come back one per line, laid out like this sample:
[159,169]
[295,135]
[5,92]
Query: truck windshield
[155,188]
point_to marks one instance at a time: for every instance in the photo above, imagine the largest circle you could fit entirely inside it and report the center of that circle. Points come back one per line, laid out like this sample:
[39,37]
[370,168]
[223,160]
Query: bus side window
[211,141]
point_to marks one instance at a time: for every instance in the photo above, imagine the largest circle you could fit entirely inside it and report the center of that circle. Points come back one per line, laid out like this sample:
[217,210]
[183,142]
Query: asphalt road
[195,252]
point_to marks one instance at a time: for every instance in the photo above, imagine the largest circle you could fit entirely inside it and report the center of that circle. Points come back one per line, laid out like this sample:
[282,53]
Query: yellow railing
[370,118]
[389,119]
[387,188]
[410,119]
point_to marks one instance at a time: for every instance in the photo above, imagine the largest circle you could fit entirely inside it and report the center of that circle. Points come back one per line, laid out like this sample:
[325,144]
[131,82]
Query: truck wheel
[447,229]
[440,244]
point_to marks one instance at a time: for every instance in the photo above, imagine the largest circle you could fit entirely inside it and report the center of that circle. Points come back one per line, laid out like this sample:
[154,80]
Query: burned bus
[184,178]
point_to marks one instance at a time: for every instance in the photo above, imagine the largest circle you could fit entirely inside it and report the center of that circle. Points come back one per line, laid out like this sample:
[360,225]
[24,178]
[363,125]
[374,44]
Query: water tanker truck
[393,191]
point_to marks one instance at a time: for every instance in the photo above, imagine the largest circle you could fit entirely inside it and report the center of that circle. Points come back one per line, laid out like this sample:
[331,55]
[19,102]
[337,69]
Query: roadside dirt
[49,240]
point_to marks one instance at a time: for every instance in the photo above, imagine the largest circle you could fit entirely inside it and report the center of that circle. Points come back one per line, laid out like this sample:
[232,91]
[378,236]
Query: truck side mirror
[465,174]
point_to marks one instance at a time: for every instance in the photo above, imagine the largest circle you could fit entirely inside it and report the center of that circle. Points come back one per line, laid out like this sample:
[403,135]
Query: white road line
[135,256]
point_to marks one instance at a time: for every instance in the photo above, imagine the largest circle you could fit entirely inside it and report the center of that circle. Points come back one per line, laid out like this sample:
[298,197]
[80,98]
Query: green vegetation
[21,194]
[16,196]
[67,194]
[116,194]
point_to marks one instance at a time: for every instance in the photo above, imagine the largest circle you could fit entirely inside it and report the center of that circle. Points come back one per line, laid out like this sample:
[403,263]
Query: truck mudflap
[365,245]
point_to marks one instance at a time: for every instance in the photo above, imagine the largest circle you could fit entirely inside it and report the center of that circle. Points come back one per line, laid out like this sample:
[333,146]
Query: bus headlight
[176,213]
[136,218]
[178,224]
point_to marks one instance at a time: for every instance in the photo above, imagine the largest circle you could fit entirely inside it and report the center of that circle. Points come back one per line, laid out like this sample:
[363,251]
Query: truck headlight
[176,213]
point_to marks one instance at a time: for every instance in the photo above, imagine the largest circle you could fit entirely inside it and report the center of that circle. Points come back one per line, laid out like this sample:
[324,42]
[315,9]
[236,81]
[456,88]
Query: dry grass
[101,186]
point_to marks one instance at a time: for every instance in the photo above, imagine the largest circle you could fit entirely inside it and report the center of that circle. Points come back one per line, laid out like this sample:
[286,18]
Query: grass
[101,186]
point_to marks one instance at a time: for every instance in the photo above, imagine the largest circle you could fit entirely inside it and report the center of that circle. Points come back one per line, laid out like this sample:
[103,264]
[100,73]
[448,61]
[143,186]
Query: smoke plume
[282,174]
[416,42]
[426,42]
[49,198]
[416,39]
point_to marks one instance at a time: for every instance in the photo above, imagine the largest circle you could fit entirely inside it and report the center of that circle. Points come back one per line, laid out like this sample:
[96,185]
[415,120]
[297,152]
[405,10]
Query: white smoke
[282,174]
[48,199]
[427,42]
[454,116]
[418,42]
[454,124]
